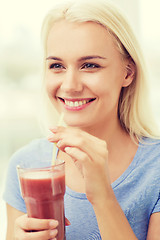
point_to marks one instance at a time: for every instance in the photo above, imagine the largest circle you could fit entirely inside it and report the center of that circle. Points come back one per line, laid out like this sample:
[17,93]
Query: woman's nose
[71,82]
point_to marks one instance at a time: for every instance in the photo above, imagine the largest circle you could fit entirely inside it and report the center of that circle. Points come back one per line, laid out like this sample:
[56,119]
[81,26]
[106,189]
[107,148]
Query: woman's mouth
[76,104]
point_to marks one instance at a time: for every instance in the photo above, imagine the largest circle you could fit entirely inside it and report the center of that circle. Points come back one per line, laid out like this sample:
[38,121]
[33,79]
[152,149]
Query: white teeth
[71,104]
[76,103]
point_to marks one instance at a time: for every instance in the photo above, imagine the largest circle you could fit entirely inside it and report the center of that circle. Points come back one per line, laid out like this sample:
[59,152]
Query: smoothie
[43,192]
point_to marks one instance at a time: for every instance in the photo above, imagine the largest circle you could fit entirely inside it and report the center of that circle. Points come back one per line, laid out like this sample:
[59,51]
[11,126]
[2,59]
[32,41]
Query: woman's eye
[90,66]
[55,66]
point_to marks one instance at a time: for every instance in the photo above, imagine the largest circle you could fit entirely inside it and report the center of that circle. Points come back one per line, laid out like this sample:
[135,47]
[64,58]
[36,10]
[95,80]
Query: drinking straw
[54,145]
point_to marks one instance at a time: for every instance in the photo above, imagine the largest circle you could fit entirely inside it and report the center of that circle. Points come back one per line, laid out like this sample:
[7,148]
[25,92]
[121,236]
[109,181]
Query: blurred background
[21,70]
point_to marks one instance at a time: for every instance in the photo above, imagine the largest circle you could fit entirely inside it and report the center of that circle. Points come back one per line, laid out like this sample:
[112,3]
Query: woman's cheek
[51,87]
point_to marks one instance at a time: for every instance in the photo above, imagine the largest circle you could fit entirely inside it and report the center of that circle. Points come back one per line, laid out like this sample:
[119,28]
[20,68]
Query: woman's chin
[73,122]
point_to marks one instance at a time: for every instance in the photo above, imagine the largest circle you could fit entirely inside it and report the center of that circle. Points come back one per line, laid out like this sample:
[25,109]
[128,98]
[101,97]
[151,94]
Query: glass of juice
[43,191]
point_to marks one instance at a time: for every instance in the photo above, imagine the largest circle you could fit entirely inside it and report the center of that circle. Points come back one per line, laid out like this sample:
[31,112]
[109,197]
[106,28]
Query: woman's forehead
[85,36]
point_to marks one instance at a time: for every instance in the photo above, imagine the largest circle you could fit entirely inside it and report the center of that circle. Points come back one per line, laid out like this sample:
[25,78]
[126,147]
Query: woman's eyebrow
[80,59]
[53,58]
[91,57]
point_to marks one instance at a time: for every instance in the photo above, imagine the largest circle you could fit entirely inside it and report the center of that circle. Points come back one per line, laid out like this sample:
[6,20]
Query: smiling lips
[74,104]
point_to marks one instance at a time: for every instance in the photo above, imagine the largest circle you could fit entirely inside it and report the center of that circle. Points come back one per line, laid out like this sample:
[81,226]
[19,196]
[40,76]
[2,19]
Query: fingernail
[53,232]
[53,224]
[50,136]
[58,144]
[53,129]
[67,149]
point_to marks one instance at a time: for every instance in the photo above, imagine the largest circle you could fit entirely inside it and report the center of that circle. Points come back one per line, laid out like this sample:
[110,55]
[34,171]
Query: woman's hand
[90,154]
[35,229]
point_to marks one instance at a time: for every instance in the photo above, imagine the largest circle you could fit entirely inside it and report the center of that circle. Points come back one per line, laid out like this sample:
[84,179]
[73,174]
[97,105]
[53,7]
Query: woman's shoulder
[149,153]
[150,145]
[35,150]
[39,145]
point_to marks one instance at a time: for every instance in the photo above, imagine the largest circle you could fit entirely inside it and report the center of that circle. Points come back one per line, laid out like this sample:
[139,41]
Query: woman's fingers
[37,224]
[77,155]
[90,155]
[40,235]
[90,152]
[35,229]
[67,222]
[75,137]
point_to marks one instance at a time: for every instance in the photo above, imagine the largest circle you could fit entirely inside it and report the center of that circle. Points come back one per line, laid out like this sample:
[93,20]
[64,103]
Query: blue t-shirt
[137,190]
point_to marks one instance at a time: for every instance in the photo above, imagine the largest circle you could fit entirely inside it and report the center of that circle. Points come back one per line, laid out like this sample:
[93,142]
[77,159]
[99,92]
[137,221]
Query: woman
[94,74]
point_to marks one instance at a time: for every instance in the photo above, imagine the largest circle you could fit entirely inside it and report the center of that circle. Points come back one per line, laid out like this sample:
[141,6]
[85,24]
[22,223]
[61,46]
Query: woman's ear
[130,73]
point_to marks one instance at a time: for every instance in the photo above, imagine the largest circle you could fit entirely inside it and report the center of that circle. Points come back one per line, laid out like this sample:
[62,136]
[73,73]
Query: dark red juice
[43,193]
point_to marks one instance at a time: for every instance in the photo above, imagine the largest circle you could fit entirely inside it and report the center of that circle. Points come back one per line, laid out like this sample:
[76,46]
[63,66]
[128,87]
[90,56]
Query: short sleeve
[12,194]
[157,206]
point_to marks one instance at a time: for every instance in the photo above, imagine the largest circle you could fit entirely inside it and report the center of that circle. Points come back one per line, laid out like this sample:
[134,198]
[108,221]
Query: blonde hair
[133,110]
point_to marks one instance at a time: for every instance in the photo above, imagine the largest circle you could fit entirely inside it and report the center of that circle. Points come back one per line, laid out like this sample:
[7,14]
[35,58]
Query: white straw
[54,145]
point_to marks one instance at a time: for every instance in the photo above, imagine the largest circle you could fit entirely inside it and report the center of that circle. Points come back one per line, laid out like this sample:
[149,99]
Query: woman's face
[84,73]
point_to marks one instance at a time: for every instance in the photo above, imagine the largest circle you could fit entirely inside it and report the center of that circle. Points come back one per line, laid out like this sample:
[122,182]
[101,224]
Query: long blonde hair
[134,111]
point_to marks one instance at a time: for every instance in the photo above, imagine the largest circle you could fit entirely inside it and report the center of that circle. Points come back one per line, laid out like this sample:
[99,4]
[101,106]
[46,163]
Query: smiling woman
[82,71]
[94,73]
